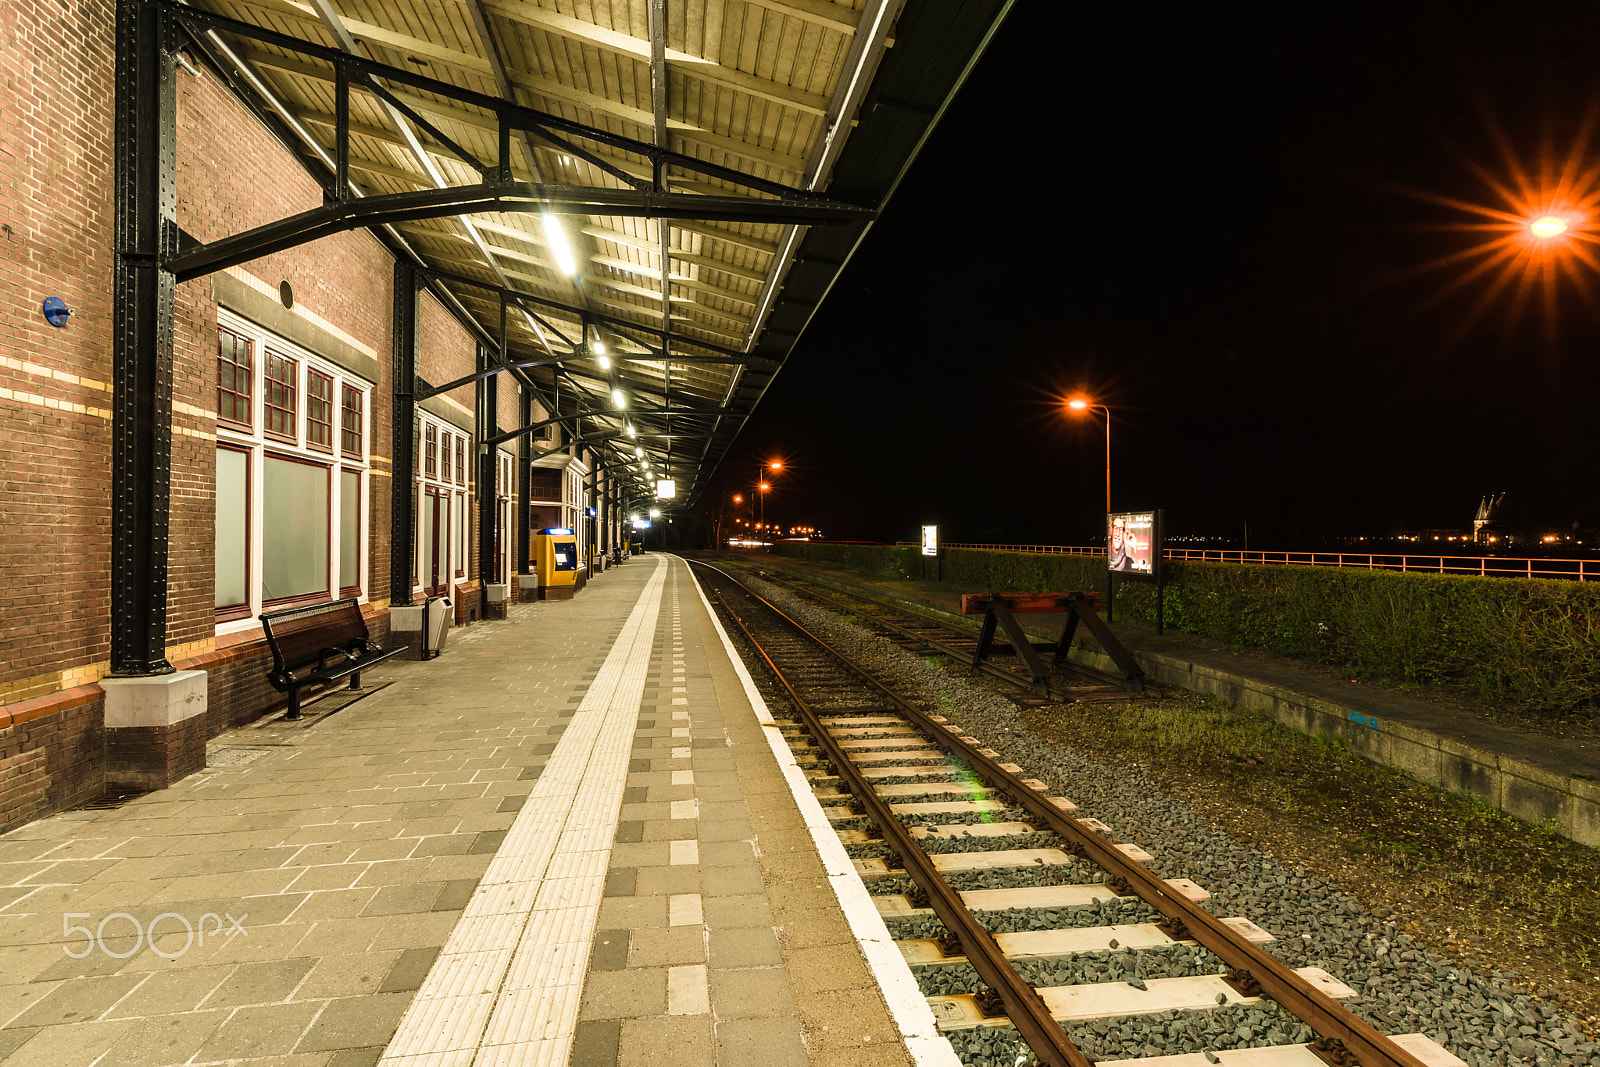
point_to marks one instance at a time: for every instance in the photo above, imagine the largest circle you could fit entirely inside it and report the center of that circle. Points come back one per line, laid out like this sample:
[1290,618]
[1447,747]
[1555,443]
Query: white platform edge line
[909,1007]
[583,743]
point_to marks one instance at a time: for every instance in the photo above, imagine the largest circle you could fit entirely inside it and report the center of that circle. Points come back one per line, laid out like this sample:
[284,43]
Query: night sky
[1237,227]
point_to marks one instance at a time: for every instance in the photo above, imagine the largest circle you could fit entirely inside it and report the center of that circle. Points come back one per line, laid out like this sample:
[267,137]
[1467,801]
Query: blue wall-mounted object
[56,311]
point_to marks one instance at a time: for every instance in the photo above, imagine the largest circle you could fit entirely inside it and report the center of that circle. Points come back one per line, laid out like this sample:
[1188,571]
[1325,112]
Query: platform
[567,839]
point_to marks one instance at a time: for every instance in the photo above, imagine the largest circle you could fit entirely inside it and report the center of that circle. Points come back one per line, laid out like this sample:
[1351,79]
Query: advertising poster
[1130,542]
[930,540]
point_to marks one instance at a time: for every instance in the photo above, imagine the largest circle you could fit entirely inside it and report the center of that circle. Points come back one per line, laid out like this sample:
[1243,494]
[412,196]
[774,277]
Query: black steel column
[524,485]
[402,499]
[488,460]
[141,404]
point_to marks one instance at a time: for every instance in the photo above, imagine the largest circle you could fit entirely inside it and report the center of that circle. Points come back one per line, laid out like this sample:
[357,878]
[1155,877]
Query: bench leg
[294,704]
[355,680]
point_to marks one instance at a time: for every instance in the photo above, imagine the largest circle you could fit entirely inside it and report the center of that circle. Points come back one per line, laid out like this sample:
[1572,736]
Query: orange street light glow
[1078,403]
[776,465]
[1548,226]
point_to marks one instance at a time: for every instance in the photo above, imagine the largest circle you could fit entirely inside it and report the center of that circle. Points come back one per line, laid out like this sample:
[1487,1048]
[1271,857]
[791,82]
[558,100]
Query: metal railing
[1581,570]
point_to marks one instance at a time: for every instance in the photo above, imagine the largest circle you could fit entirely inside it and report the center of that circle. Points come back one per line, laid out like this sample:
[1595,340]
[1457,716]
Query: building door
[436,560]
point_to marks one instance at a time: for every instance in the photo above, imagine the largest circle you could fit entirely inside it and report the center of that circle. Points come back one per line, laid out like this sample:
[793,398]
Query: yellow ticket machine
[555,554]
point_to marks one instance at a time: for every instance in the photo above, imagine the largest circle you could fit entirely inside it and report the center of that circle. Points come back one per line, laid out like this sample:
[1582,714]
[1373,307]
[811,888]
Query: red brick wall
[52,753]
[56,183]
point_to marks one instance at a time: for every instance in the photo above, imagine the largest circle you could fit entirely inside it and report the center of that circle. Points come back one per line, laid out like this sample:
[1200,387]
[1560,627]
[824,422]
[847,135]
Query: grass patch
[1472,878]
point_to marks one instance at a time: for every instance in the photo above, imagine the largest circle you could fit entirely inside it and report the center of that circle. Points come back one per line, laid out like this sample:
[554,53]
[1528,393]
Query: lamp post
[1081,404]
[762,486]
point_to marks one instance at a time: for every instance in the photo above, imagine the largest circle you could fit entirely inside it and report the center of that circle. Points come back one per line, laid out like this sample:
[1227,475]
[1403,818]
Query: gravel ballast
[1476,1014]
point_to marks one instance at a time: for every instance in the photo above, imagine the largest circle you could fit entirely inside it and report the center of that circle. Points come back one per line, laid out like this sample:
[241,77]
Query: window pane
[294,529]
[319,410]
[350,427]
[349,529]
[233,494]
[280,399]
[234,370]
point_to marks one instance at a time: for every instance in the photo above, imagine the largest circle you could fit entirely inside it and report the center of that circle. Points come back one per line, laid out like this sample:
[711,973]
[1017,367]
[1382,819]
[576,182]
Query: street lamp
[1078,405]
[762,486]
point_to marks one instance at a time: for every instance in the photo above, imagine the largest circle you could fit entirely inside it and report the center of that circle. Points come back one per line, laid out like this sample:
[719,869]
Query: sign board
[930,540]
[1131,542]
[641,524]
[666,489]
[589,512]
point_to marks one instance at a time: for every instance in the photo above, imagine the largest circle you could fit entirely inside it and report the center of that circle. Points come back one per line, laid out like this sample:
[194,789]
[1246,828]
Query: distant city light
[1548,226]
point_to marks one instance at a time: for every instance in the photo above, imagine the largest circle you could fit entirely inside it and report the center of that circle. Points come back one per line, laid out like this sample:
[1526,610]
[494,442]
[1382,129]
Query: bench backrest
[300,635]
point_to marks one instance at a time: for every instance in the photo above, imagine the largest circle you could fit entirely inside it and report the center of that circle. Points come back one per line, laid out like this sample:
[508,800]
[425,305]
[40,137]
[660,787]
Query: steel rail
[1023,1004]
[1344,1037]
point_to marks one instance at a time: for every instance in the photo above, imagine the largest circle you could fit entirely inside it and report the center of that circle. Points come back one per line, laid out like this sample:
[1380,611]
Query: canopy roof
[710,166]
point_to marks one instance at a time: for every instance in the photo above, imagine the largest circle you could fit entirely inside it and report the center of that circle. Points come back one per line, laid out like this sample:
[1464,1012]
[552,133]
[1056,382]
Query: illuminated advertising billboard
[930,540]
[1131,542]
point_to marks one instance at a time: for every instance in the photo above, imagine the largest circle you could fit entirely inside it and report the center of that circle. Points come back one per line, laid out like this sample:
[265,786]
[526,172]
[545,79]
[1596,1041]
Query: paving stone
[668,1041]
[750,992]
[625,994]
[354,1022]
[610,950]
[260,983]
[671,947]
[166,1039]
[456,894]
[409,969]
[595,1043]
[348,975]
[270,1030]
[622,882]
[77,1000]
[744,910]
[171,992]
[54,1046]
[766,1042]
[749,946]
[403,899]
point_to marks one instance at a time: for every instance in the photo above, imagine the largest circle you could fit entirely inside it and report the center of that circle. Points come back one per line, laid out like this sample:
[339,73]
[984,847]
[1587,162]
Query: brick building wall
[56,175]
[57,97]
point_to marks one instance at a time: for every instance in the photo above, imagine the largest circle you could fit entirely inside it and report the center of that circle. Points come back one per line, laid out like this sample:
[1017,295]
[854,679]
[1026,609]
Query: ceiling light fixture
[559,247]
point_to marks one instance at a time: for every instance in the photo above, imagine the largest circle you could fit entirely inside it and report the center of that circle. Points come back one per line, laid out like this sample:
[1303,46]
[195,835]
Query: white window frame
[457,492]
[257,445]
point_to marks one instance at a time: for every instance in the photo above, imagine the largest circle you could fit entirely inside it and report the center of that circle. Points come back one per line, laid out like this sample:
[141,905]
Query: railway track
[923,633]
[992,885]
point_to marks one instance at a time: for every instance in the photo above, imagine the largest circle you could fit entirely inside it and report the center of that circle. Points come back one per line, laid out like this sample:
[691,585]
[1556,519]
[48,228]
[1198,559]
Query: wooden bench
[320,644]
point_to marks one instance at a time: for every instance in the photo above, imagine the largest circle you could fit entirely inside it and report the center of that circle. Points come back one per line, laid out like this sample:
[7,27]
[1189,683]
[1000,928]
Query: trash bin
[436,618]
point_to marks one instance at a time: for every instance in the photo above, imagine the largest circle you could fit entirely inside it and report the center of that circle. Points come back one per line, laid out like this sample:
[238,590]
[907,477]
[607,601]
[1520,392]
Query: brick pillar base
[155,729]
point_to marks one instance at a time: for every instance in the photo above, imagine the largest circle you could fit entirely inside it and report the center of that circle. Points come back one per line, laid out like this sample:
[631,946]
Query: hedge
[1533,643]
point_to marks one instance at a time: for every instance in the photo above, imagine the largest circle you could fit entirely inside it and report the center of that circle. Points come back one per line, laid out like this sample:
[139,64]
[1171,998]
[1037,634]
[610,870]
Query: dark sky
[1208,217]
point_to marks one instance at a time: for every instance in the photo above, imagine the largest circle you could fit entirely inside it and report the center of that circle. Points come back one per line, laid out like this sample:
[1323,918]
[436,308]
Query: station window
[235,379]
[444,520]
[350,421]
[283,379]
[290,518]
[319,411]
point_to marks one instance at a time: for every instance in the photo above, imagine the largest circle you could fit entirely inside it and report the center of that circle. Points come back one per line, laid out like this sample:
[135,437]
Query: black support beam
[142,320]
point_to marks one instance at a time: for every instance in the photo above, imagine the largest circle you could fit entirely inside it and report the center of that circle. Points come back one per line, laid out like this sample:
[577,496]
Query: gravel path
[1403,988]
